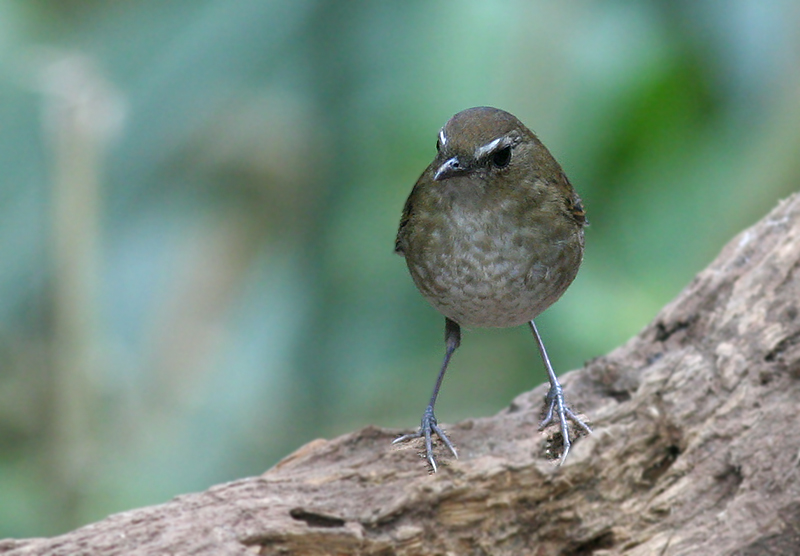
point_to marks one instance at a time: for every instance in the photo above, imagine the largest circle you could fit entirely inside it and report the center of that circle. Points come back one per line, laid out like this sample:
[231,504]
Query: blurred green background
[199,199]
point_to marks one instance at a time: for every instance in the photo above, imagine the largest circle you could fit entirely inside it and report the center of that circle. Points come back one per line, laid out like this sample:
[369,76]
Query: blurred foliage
[199,201]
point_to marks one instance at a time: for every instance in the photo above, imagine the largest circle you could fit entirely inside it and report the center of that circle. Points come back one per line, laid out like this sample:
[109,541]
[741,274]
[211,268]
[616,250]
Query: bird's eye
[502,157]
[438,144]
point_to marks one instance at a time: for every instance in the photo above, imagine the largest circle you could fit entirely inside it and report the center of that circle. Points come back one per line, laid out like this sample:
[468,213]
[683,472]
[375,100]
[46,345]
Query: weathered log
[696,450]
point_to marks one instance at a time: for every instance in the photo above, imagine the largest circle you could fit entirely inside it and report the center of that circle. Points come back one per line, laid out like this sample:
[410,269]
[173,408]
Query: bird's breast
[493,267]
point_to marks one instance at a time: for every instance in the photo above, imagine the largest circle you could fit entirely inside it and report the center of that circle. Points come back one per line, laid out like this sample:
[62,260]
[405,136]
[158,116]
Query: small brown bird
[492,234]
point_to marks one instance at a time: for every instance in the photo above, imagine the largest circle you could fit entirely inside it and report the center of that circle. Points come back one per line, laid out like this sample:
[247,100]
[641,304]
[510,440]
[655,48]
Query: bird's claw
[427,428]
[556,406]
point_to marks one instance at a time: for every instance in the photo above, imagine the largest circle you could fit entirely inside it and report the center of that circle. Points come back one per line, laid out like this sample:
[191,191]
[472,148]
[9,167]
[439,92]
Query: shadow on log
[696,450]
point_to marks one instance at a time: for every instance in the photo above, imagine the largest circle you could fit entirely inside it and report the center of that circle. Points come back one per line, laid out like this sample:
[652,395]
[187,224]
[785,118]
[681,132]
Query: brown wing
[575,205]
[402,231]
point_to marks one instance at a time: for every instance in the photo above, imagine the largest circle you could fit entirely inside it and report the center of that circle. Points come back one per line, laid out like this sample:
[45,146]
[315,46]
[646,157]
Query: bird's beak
[451,167]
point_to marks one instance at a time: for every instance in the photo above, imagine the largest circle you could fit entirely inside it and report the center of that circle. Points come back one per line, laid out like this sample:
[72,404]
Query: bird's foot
[426,430]
[557,410]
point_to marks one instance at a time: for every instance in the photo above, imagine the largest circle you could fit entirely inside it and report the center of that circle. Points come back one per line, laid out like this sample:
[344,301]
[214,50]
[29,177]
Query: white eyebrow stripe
[442,137]
[489,147]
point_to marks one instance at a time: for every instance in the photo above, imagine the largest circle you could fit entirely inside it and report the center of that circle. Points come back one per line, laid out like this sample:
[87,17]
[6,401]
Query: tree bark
[696,450]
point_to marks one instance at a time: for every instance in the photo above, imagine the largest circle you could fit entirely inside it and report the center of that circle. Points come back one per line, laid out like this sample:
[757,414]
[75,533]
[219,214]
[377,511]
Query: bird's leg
[556,406]
[452,339]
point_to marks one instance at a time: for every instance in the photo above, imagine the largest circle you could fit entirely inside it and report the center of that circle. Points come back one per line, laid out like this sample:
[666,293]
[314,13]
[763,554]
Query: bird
[492,234]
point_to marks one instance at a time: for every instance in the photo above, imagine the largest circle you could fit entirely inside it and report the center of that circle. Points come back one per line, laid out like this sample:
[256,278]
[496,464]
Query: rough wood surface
[696,450]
